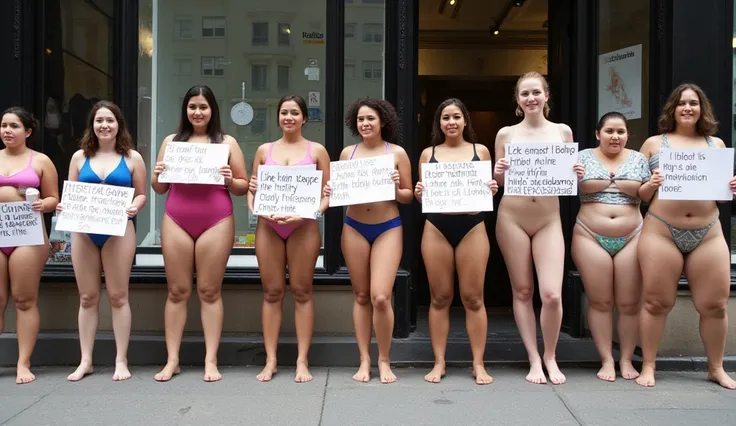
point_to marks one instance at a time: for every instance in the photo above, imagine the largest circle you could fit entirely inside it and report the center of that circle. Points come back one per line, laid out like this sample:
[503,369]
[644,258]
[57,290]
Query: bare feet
[607,373]
[211,373]
[536,373]
[481,375]
[121,371]
[646,378]
[437,373]
[719,376]
[364,372]
[24,375]
[555,375]
[170,370]
[384,370]
[302,372]
[268,371]
[85,368]
[628,371]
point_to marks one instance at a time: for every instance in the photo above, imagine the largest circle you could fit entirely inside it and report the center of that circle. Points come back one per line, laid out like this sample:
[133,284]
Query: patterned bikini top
[635,168]
[654,159]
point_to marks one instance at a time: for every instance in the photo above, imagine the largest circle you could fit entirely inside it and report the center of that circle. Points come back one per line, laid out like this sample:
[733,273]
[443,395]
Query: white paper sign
[284,190]
[362,181]
[188,162]
[696,174]
[457,187]
[20,225]
[541,169]
[94,208]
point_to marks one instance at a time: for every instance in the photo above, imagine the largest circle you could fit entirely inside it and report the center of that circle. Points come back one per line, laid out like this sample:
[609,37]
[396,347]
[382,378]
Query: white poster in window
[188,162]
[619,82]
[696,174]
[20,225]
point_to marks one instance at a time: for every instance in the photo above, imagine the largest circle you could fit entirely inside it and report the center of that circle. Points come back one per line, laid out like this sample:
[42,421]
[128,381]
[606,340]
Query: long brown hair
[707,124]
[438,136]
[123,141]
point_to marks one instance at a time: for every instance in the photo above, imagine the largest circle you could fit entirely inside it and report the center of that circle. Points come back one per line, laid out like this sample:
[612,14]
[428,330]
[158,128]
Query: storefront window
[623,64]
[733,135]
[273,52]
[77,74]
[364,58]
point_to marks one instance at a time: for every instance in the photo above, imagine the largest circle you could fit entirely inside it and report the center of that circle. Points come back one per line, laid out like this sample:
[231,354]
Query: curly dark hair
[707,123]
[386,113]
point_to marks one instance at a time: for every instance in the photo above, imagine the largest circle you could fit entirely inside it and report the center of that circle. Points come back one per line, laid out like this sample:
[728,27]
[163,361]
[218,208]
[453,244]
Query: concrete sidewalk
[333,398]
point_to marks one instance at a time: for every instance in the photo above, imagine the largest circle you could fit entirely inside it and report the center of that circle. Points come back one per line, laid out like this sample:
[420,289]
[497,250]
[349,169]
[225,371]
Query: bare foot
[555,375]
[646,378]
[85,368]
[628,371]
[607,373]
[719,376]
[437,373]
[302,373]
[211,373]
[170,370]
[384,370]
[268,371]
[536,374]
[24,375]
[481,375]
[364,372]
[121,371]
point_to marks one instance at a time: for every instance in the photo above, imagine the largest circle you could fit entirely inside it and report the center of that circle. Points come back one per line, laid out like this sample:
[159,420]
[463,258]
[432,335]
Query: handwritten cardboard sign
[362,181]
[188,162]
[284,190]
[541,169]
[94,208]
[457,187]
[20,225]
[696,174]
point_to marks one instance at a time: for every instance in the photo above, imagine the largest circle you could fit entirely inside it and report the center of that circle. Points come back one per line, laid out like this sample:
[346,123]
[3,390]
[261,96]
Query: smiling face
[452,121]
[613,136]
[531,96]
[291,118]
[105,125]
[13,132]
[369,123]
[687,111]
[198,111]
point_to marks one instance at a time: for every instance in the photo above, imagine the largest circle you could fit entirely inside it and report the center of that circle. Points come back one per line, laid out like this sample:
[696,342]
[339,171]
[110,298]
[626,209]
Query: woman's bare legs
[596,271]
[271,255]
[627,293]
[87,268]
[385,259]
[471,258]
[178,247]
[439,261]
[25,268]
[4,288]
[302,251]
[212,250]
[357,254]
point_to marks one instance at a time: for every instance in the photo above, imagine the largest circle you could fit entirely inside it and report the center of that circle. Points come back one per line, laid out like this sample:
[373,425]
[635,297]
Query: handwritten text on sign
[457,187]
[20,225]
[361,181]
[541,169]
[94,208]
[188,162]
[294,191]
[701,174]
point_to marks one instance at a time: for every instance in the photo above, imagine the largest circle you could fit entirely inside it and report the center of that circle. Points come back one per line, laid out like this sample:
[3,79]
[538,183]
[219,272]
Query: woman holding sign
[198,229]
[287,240]
[25,175]
[372,238]
[455,241]
[683,236]
[529,231]
[107,157]
[604,241]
